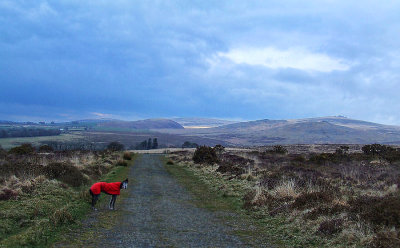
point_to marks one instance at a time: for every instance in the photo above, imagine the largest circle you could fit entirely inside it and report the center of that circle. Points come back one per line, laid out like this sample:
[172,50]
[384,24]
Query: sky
[241,60]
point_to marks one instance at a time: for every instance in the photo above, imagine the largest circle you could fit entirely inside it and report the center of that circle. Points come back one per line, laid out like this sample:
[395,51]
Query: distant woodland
[27,132]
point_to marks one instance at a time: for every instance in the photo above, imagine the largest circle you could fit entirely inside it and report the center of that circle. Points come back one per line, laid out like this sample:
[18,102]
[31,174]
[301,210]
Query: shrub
[127,156]
[322,158]
[312,199]
[377,210]
[61,216]
[23,149]
[385,239]
[256,198]
[278,149]
[170,162]
[231,169]
[330,227]
[115,146]
[325,210]
[375,149]
[205,154]
[7,194]
[259,198]
[299,159]
[271,181]
[65,173]
[382,152]
[3,152]
[46,148]
[121,163]
[219,149]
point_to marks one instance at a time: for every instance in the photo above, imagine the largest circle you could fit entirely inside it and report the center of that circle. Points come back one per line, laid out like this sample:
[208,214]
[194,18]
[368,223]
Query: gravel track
[158,212]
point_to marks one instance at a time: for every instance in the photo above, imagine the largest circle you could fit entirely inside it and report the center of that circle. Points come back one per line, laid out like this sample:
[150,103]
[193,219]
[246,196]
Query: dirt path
[158,212]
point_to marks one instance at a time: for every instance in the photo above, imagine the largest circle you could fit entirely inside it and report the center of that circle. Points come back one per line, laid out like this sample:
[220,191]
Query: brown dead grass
[347,197]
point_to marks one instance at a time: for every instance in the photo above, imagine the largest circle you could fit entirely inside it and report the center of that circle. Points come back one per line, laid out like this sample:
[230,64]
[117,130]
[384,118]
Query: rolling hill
[202,122]
[322,130]
[143,124]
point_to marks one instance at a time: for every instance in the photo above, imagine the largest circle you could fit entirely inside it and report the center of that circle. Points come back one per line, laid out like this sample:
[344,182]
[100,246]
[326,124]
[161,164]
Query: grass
[38,219]
[331,199]
[86,237]
[49,213]
[215,193]
[8,143]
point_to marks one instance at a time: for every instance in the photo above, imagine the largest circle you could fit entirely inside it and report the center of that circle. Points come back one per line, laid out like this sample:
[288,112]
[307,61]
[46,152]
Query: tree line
[27,132]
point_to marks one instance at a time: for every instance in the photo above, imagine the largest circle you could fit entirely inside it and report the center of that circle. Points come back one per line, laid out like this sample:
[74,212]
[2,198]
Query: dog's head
[124,184]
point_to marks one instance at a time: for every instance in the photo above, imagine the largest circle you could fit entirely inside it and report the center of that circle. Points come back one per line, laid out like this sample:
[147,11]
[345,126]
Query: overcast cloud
[64,60]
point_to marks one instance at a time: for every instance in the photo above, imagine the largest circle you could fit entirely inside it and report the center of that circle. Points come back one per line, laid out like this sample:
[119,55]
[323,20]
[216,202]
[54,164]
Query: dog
[112,189]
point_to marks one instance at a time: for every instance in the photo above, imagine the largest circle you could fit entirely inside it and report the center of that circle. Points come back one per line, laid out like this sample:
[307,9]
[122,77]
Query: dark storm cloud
[250,60]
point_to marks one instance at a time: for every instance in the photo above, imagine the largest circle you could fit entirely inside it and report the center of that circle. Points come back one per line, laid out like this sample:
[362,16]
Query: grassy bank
[328,199]
[89,231]
[214,192]
[44,205]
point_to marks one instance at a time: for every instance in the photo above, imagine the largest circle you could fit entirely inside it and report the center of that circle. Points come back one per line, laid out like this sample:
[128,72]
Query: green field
[8,143]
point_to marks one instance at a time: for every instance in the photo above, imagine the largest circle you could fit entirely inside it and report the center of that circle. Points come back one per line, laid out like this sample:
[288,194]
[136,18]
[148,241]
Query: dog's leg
[112,201]
[94,200]
[115,198]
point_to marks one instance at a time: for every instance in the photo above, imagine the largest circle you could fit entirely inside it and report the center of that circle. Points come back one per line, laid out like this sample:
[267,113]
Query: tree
[22,149]
[115,146]
[188,144]
[142,145]
[155,143]
[149,145]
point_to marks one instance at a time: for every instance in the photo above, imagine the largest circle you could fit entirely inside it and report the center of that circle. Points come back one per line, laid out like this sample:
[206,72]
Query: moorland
[309,195]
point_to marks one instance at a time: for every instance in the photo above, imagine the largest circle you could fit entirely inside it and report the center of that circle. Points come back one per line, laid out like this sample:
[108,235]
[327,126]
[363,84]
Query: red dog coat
[109,188]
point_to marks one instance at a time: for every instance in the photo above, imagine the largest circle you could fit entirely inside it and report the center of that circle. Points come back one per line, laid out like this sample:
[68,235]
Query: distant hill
[143,124]
[201,122]
[322,130]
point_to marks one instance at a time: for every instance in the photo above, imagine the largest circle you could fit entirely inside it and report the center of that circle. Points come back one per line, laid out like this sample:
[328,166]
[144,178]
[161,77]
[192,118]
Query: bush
[382,152]
[231,169]
[256,199]
[330,227]
[375,149]
[335,158]
[121,163]
[7,194]
[377,210]
[46,148]
[299,159]
[271,181]
[61,216]
[127,156]
[65,173]
[170,162]
[23,149]
[325,210]
[278,149]
[385,239]
[205,154]
[219,149]
[115,146]
[312,199]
